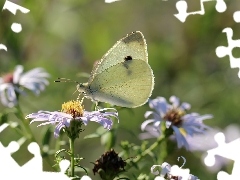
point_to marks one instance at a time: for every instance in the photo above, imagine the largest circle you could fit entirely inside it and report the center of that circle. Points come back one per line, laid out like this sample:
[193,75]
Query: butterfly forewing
[133,45]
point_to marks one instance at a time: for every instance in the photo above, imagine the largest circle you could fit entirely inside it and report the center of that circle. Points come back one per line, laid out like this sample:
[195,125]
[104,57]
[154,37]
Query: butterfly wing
[133,45]
[126,84]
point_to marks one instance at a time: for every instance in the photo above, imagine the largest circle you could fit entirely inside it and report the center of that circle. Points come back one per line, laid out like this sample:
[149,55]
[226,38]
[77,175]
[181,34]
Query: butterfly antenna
[65,80]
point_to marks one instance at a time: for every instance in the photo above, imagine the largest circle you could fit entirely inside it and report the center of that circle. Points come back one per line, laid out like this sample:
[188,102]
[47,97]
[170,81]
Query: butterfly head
[81,87]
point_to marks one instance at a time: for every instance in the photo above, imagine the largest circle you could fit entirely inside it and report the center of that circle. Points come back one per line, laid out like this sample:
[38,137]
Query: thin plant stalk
[71,141]
[148,150]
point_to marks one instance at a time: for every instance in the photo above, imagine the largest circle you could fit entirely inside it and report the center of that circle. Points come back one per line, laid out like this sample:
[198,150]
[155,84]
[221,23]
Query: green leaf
[3,118]
[47,135]
[108,139]
[93,135]
[99,132]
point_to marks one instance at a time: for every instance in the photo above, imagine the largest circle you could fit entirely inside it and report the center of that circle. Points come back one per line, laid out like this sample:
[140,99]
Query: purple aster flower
[175,117]
[73,112]
[12,84]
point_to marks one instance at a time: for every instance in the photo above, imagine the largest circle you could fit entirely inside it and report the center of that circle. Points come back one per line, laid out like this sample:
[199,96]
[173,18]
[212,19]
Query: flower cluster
[172,173]
[166,119]
[175,117]
[13,84]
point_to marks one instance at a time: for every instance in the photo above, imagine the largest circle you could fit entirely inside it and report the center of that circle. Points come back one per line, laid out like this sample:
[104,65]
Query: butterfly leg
[96,106]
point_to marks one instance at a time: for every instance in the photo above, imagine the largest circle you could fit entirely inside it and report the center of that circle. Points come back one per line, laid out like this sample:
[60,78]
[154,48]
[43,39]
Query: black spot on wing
[127,64]
[128,58]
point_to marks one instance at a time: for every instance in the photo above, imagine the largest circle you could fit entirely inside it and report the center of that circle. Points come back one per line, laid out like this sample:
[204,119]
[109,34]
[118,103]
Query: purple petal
[156,124]
[159,104]
[42,124]
[175,101]
[148,113]
[152,132]
[58,129]
[145,123]
[106,123]
[185,106]
[181,141]
[17,74]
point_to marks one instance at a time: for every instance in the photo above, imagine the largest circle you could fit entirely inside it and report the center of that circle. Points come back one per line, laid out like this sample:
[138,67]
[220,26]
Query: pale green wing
[127,84]
[133,45]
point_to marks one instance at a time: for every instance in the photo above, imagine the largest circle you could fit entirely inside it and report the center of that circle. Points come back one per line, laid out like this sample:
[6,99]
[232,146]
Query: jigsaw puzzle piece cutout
[221,6]
[4,125]
[2,46]
[182,7]
[12,7]
[86,178]
[33,169]
[222,51]
[6,156]
[36,161]
[224,176]
[227,150]
[64,164]
[236,16]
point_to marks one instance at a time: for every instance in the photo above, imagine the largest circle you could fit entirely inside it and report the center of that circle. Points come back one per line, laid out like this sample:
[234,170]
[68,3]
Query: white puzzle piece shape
[182,7]
[227,150]
[33,169]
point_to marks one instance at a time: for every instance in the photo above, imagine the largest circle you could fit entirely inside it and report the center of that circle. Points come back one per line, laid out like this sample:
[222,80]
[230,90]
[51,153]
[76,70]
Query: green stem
[147,151]
[71,140]
[26,130]
[58,143]
[163,153]
[25,124]
[161,139]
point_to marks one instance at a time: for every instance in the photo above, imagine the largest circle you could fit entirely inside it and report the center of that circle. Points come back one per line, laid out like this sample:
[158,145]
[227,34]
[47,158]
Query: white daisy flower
[13,84]
[174,172]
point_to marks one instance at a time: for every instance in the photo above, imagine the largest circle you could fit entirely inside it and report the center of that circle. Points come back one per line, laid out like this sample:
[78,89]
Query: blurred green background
[66,37]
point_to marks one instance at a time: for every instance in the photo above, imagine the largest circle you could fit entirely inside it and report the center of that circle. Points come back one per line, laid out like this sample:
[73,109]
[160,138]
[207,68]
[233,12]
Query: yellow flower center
[75,108]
